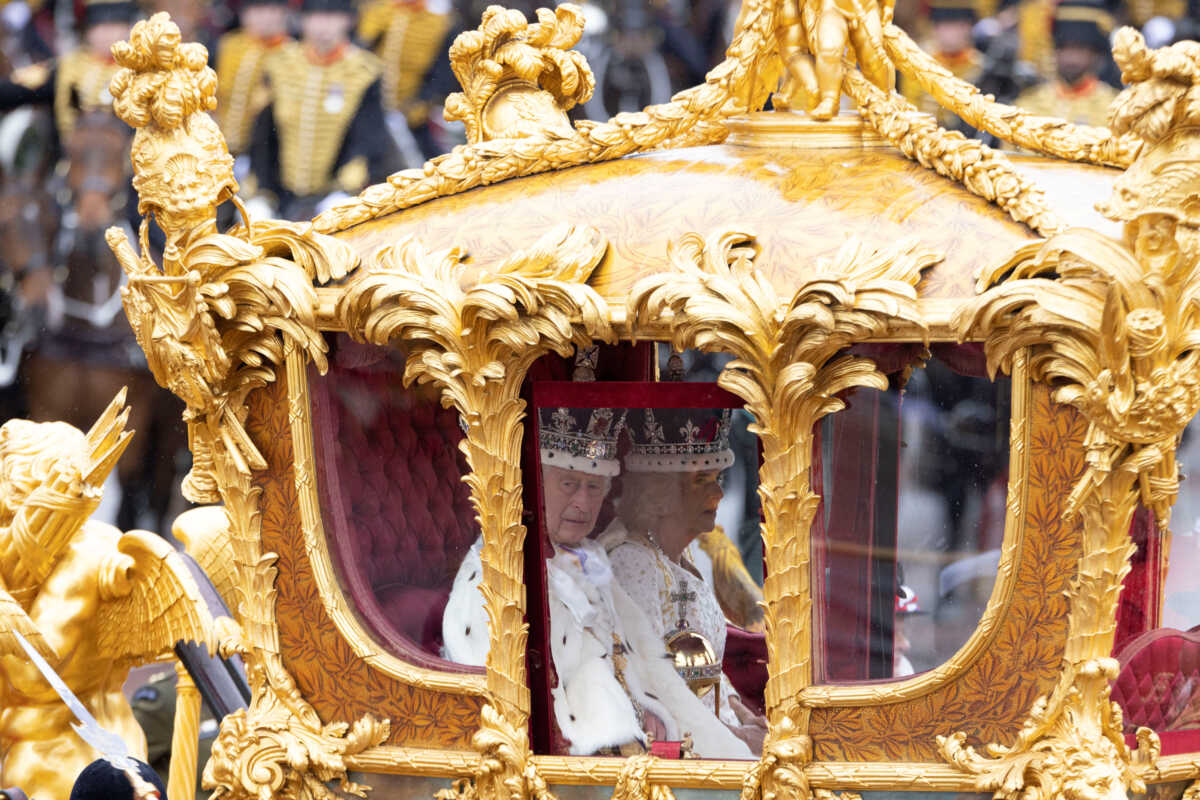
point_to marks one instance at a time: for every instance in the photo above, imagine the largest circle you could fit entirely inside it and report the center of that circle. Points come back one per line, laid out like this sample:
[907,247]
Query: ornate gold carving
[1046,135]
[475,342]
[633,783]
[813,37]
[216,321]
[519,79]
[1112,325]
[789,369]
[93,600]
[185,737]
[980,169]
[741,82]
[317,548]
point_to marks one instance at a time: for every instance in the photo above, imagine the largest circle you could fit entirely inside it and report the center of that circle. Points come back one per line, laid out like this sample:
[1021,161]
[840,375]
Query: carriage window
[907,541]
[654,626]
[396,512]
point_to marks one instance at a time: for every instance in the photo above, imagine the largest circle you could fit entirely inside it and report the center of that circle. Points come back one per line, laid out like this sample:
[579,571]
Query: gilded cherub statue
[813,37]
[94,601]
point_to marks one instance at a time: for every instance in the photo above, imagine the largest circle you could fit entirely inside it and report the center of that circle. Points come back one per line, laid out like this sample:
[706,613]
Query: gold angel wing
[154,603]
[14,618]
[205,534]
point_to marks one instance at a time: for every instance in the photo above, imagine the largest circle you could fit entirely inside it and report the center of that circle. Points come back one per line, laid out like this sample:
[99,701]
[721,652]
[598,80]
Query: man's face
[102,36]
[952,35]
[572,503]
[265,21]
[1075,62]
[324,31]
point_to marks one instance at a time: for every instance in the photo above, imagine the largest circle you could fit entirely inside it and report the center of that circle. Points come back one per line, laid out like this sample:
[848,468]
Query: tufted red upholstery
[1159,687]
[396,511]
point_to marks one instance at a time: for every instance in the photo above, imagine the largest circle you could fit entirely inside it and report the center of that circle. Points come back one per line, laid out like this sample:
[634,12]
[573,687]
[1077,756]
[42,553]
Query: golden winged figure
[93,600]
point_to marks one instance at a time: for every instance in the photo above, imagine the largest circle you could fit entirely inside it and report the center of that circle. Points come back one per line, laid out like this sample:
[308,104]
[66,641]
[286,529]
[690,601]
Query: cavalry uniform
[241,88]
[966,64]
[1086,104]
[323,130]
[1085,100]
[77,83]
[408,37]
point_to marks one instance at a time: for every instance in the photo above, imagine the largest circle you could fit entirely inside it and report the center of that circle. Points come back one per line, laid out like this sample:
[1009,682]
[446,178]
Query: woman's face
[701,495]
[687,503]
[572,503]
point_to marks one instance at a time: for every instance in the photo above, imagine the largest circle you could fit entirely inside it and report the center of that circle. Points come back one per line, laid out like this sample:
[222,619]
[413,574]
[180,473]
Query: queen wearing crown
[615,680]
[668,504]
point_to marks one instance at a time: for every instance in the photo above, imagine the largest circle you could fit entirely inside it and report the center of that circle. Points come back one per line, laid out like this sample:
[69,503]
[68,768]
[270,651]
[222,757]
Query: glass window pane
[907,541]
[395,509]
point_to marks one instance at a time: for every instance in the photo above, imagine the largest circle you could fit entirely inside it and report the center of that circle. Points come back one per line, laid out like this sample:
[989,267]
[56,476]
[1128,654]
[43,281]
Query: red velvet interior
[1159,687]
[1141,593]
[395,509]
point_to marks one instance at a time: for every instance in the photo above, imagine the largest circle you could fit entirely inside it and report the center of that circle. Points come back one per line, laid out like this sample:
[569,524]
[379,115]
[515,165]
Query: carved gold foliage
[789,367]
[216,321]
[1113,327]
[741,82]
[633,783]
[269,751]
[475,342]
[980,169]
[519,79]
[1046,135]
[215,318]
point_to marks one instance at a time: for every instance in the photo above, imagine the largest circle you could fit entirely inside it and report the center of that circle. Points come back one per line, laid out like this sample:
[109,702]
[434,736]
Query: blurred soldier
[241,55]
[323,130]
[78,82]
[952,45]
[1077,94]
[410,37]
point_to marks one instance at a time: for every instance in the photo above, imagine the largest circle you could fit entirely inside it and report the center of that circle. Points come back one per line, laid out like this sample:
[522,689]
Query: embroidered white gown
[587,610]
[650,578]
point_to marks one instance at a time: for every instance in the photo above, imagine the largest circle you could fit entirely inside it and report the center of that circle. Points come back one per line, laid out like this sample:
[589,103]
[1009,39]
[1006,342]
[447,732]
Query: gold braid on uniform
[310,134]
[409,44]
[80,86]
[241,65]
[1046,135]
[741,82]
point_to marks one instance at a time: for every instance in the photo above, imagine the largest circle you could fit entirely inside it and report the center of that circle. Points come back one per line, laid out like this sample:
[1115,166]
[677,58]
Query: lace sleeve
[636,570]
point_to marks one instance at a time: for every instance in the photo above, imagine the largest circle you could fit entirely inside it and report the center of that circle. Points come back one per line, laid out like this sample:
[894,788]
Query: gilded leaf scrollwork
[1113,327]
[519,79]
[475,343]
[789,367]
[216,321]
